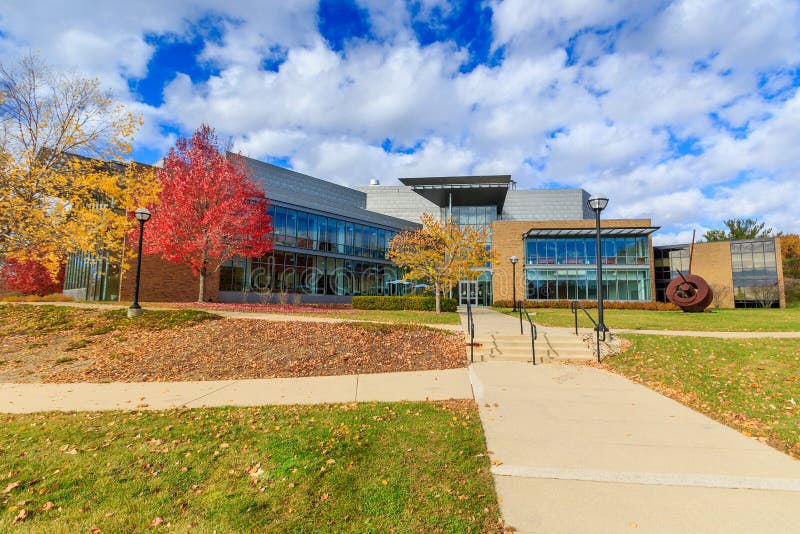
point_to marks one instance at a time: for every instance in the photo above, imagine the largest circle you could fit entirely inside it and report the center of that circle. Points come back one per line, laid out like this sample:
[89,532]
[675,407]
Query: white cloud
[599,115]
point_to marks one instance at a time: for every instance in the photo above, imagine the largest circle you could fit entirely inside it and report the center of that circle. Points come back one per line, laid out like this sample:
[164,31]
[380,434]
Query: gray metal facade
[520,205]
[287,187]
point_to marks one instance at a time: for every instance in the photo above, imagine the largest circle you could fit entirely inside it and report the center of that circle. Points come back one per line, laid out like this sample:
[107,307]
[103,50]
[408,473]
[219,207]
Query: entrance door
[467,292]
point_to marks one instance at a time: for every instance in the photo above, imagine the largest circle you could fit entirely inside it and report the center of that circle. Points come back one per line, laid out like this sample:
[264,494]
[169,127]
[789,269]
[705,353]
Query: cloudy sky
[686,112]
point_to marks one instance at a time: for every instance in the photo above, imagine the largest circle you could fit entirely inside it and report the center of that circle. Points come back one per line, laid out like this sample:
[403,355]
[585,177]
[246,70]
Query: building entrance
[476,292]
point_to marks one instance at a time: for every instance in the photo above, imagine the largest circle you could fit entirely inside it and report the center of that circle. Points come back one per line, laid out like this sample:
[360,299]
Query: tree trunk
[202,296]
[438,298]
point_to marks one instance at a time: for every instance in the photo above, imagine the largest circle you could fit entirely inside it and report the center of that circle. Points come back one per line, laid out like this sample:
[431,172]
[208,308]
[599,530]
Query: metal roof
[462,190]
[638,231]
[457,180]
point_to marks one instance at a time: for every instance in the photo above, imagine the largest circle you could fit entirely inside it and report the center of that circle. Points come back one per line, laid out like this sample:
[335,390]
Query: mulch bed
[240,348]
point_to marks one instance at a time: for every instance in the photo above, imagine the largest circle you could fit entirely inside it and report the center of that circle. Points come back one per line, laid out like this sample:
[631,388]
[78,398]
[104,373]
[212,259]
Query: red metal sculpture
[690,292]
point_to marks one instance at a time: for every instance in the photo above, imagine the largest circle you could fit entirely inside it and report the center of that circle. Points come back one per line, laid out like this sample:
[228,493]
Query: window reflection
[300,229]
[582,251]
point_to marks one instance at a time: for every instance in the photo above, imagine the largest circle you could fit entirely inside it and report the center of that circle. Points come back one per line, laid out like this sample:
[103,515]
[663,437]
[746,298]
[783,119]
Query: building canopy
[638,231]
[462,190]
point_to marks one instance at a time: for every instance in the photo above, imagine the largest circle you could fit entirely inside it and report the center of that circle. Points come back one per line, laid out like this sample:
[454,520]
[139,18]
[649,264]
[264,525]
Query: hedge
[607,304]
[403,303]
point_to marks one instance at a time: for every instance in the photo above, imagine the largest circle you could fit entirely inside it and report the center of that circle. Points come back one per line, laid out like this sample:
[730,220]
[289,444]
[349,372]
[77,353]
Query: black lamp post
[142,215]
[598,203]
[514,260]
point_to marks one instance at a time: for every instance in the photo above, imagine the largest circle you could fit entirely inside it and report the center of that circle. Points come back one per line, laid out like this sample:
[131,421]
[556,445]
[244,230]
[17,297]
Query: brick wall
[163,281]
[712,261]
[507,241]
[779,263]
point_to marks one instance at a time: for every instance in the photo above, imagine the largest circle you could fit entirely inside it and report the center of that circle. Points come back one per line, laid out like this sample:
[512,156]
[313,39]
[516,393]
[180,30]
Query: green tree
[740,229]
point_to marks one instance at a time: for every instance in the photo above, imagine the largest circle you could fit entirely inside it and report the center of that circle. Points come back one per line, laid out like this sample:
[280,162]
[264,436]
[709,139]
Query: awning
[463,190]
[638,231]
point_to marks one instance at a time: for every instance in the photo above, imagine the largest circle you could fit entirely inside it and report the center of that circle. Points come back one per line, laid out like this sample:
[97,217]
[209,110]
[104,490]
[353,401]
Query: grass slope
[397,467]
[717,320]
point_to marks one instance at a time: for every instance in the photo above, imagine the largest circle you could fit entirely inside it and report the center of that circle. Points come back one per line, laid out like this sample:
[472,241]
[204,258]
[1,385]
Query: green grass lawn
[722,320]
[393,316]
[399,467]
[21,318]
[752,385]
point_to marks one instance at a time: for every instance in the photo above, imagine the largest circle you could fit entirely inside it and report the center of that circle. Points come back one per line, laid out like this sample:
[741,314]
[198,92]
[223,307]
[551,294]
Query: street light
[598,203]
[514,260]
[142,215]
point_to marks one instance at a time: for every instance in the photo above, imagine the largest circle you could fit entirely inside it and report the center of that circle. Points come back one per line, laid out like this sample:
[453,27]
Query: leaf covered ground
[396,467]
[64,344]
[333,311]
[752,385]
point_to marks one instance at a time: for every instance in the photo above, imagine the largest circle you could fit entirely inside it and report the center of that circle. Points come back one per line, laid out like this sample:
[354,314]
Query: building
[742,274]
[551,231]
[331,243]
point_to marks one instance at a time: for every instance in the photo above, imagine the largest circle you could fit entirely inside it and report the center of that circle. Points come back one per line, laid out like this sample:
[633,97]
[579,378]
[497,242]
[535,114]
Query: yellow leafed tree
[64,182]
[440,254]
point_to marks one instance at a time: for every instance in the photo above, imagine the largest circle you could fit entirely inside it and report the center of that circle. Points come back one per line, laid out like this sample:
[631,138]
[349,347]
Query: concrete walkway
[389,387]
[578,449]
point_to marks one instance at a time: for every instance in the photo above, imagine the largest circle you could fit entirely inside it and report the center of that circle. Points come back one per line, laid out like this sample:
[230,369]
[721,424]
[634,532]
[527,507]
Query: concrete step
[546,353]
[526,344]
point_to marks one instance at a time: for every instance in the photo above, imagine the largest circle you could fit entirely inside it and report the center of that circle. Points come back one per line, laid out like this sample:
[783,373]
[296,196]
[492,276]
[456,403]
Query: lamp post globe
[598,203]
[142,215]
[514,260]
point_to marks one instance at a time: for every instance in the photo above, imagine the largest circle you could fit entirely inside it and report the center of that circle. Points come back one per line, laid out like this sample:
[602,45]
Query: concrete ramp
[578,449]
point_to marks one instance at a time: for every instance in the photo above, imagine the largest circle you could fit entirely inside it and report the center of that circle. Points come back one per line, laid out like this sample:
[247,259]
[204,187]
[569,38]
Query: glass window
[349,238]
[291,225]
[302,229]
[313,231]
[279,222]
[323,233]
[331,239]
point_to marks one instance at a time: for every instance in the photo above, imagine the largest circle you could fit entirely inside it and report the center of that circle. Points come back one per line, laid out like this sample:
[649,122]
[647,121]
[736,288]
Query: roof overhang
[632,231]
[462,190]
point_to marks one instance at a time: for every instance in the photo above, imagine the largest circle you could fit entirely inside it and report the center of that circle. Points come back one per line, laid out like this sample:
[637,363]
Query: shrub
[607,304]
[30,277]
[403,303]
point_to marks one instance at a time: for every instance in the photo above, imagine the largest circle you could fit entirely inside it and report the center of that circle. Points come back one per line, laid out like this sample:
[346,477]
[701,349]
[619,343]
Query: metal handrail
[471,328]
[574,305]
[522,308]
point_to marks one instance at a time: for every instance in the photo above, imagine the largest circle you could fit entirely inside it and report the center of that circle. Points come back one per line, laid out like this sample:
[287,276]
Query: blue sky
[684,111]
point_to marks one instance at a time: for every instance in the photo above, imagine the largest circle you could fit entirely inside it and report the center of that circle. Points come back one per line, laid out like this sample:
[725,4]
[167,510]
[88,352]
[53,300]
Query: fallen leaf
[10,486]
[21,516]
[47,506]
[155,522]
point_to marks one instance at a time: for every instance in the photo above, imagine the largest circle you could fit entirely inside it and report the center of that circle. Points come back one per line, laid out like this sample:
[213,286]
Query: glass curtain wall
[668,261]
[311,274]
[564,268]
[755,274]
[97,275]
[296,228]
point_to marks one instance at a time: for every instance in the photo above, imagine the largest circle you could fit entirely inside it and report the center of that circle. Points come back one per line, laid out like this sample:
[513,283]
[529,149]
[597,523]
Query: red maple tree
[209,209]
[29,277]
